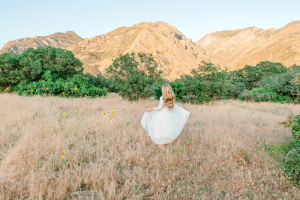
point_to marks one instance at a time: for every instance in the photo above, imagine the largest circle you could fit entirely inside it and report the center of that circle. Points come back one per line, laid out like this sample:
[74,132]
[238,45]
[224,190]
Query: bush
[207,82]
[77,86]
[237,89]
[135,76]
[281,84]
[31,65]
[250,75]
[292,158]
[259,94]
[100,81]
[47,71]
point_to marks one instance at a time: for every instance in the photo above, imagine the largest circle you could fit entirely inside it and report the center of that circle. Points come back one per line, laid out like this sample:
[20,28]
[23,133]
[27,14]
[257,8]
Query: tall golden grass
[220,154]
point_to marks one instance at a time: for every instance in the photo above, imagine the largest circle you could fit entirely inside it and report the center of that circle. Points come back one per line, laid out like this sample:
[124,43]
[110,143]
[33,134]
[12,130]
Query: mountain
[236,48]
[59,40]
[174,53]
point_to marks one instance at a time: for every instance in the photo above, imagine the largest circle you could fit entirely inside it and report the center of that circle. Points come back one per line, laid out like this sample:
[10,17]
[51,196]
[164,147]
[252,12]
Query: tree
[134,75]
[250,75]
[32,64]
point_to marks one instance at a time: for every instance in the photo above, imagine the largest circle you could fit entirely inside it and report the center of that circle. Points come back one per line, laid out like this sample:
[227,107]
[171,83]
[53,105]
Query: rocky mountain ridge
[176,54]
[170,48]
[249,46]
[59,40]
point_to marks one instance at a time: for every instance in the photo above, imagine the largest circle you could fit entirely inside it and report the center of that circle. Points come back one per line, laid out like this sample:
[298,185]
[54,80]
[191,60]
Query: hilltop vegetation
[54,71]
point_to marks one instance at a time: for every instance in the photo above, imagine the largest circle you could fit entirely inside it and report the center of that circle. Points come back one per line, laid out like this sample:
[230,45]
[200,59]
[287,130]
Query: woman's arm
[161,103]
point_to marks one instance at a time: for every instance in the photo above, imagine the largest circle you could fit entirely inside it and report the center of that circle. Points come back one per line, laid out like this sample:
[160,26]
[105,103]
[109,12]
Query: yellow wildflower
[62,156]
[64,114]
[75,88]
[105,126]
[81,110]
[46,88]
[110,121]
[62,92]
[114,106]
[75,110]
[23,94]
[124,108]
[112,111]
[103,113]
[64,150]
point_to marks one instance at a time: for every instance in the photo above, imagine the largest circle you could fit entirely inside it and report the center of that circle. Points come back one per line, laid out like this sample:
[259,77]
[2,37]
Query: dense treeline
[267,81]
[55,71]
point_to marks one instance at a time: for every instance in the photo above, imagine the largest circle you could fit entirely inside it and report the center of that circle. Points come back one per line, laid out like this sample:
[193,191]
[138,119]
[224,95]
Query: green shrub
[281,84]
[295,125]
[250,75]
[31,65]
[292,158]
[101,81]
[207,82]
[259,94]
[77,86]
[237,89]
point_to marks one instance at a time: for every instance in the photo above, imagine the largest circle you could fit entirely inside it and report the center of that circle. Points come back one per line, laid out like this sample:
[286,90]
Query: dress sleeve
[161,103]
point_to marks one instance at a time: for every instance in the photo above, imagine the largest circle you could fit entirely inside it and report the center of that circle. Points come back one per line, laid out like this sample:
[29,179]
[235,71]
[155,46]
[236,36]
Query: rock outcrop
[237,48]
[174,53]
[59,40]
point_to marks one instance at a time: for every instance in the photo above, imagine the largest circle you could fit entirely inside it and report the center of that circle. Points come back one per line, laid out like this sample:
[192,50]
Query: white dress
[164,125]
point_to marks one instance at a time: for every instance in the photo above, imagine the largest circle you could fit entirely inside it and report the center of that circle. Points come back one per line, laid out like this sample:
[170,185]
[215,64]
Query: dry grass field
[220,154]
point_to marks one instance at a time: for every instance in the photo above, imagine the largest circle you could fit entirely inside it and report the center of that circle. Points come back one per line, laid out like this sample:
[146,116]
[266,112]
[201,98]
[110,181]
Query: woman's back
[161,104]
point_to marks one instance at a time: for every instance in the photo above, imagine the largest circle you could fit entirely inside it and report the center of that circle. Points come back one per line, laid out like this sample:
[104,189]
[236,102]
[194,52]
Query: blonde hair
[168,95]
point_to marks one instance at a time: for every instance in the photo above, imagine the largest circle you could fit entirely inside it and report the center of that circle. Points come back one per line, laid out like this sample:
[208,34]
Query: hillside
[171,49]
[59,40]
[175,53]
[237,48]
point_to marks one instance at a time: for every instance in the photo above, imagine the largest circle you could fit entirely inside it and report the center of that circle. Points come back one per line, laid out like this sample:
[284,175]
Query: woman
[165,122]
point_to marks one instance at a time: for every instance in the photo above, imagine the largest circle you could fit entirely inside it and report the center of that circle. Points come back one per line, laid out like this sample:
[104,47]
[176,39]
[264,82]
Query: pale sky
[89,18]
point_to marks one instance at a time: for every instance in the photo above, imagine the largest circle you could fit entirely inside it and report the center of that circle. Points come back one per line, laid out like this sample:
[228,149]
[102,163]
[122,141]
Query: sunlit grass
[220,154]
